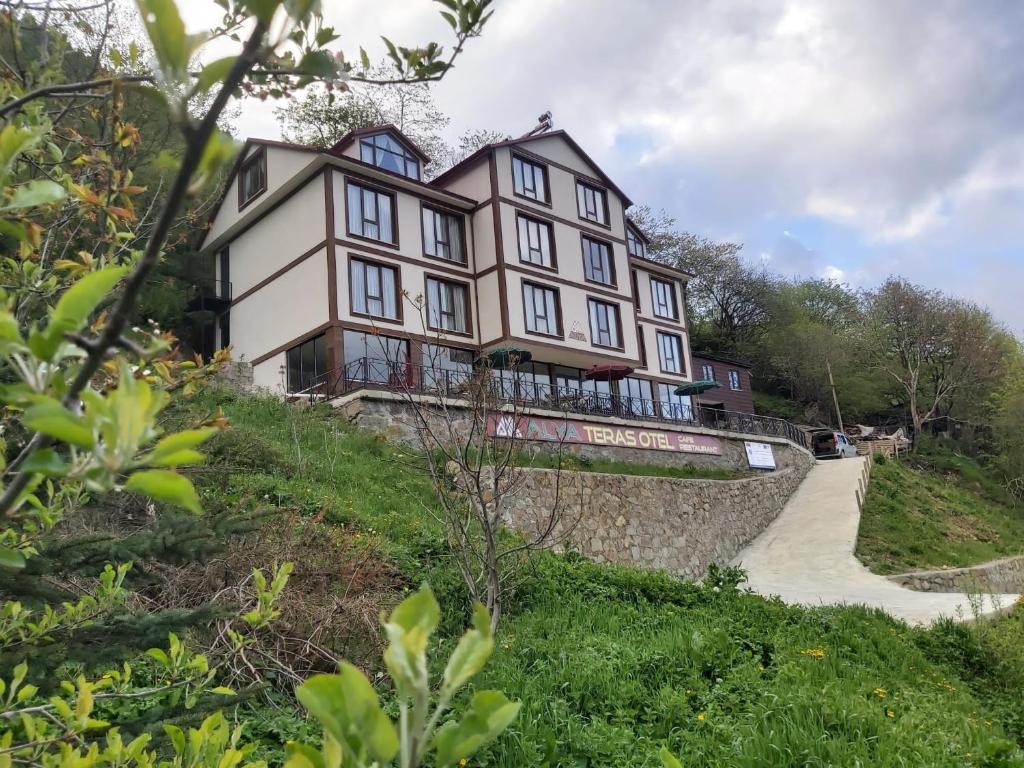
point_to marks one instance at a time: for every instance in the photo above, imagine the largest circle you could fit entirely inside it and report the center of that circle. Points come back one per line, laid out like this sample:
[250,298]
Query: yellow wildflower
[890,713]
[700,716]
[463,761]
[881,693]
[814,653]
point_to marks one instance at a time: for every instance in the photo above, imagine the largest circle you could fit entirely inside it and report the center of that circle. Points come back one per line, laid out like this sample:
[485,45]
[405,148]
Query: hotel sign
[572,431]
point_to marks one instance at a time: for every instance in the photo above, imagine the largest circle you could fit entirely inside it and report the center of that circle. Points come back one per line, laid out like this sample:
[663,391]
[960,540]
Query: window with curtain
[535,242]
[374,289]
[597,261]
[634,244]
[708,372]
[592,203]
[370,213]
[604,324]
[306,364]
[387,152]
[734,379]
[673,406]
[670,352]
[442,236]
[447,309]
[529,179]
[663,295]
[540,306]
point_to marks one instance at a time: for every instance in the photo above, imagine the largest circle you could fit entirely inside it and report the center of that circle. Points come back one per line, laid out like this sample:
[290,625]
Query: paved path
[806,555]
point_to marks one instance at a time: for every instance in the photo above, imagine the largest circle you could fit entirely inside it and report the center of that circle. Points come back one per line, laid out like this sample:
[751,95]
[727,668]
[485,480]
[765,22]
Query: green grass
[935,511]
[612,662]
[546,460]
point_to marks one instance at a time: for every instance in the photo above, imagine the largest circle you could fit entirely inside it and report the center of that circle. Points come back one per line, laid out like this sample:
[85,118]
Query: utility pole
[835,397]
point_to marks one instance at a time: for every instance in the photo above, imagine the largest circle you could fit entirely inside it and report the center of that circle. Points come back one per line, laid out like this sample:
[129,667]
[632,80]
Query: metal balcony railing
[523,390]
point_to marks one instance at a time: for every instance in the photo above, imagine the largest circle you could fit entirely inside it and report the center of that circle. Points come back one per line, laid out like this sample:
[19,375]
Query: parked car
[826,444]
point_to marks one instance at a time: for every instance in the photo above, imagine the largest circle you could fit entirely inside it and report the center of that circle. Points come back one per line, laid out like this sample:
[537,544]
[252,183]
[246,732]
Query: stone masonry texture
[1006,576]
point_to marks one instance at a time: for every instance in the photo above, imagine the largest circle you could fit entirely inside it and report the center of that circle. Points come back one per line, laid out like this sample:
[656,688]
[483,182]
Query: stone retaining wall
[681,526]
[998,576]
[388,414]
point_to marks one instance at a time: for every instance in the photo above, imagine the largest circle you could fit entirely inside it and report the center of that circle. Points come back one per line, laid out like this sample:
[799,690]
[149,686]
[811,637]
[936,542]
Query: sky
[851,139]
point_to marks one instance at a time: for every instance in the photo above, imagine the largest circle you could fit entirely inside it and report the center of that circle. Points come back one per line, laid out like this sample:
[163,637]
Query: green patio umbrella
[503,358]
[696,387]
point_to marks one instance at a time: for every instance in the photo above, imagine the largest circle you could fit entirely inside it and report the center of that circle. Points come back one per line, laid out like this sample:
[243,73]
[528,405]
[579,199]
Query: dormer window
[635,244]
[384,151]
[252,177]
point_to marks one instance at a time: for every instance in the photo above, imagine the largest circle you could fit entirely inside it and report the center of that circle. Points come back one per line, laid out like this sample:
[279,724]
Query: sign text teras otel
[584,433]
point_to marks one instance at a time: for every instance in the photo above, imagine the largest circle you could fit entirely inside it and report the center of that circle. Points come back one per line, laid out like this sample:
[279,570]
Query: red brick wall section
[741,400]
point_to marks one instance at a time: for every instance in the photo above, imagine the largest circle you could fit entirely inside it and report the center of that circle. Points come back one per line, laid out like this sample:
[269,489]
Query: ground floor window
[446,368]
[637,397]
[376,359]
[673,406]
[306,364]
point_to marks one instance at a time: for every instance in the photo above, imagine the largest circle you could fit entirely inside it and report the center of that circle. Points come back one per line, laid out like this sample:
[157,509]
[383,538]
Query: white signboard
[760,456]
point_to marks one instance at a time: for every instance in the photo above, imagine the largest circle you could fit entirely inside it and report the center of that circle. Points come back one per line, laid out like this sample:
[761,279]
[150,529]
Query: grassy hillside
[934,511]
[612,662]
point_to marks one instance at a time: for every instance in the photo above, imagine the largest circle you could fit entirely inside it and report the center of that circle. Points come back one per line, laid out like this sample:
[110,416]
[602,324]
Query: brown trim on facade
[462,233]
[597,352]
[602,234]
[260,157]
[399,305]
[558,310]
[601,182]
[499,247]
[618,324]
[427,276]
[531,160]
[584,236]
[641,344]
[551,241]
[486,271]
[394,213]
[294,342]
[673,327]
[358,174]
[358,133]
[545,275]
[332,261]
[436,264]
[653,267]
[274,275]
[397,333]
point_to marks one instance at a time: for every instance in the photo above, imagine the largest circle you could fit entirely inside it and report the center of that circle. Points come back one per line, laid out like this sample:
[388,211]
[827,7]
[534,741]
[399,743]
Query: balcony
[507,388]
[210,296]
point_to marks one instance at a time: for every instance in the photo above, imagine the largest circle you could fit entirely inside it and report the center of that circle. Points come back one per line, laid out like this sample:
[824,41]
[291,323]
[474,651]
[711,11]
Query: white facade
[328,258]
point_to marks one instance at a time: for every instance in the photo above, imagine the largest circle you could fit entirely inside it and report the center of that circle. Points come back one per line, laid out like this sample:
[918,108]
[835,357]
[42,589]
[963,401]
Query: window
[670,352]
[370,214]
[529,180]
[592,203]
[635,281]
[447,308]
[374,289]
[442,236]
[734,380]
[535,242]
[663,294]
[604,324]
[541,310]
[637,396]
[527,382]
[635,244]
[252,177]
[673,406]
[385,151]
[377,359]
[446,368]
[597,261]
[307,364]
[643,346]
[707,371]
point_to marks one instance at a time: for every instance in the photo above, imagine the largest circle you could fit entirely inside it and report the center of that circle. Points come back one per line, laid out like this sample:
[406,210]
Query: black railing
[211,295]
[524,391]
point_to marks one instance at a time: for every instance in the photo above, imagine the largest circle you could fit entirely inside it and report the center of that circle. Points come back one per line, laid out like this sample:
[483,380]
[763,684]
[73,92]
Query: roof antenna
[544,124]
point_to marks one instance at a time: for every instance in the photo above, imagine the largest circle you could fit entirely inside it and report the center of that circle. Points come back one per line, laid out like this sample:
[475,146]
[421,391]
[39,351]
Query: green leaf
[348,709]
[409,628]
[302,756]
[176,449]
[56,421]
[11,559]
[37,192]
[489,714]
[262,9]
[74,308]
[300,10]
[166,32]
[471,654]
[215,72]
[668,759]
[319,64]
[45,462]
[166,486]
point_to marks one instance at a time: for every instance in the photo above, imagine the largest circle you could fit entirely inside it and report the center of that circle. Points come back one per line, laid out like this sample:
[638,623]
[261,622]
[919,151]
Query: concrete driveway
[806,555]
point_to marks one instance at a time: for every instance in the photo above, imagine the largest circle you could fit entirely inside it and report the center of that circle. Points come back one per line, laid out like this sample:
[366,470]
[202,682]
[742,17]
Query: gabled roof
[720,359]
[636,228]
[460,168]
[404,140]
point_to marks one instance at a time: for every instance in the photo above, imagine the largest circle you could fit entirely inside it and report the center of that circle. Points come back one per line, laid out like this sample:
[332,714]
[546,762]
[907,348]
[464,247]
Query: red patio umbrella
[607,372]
